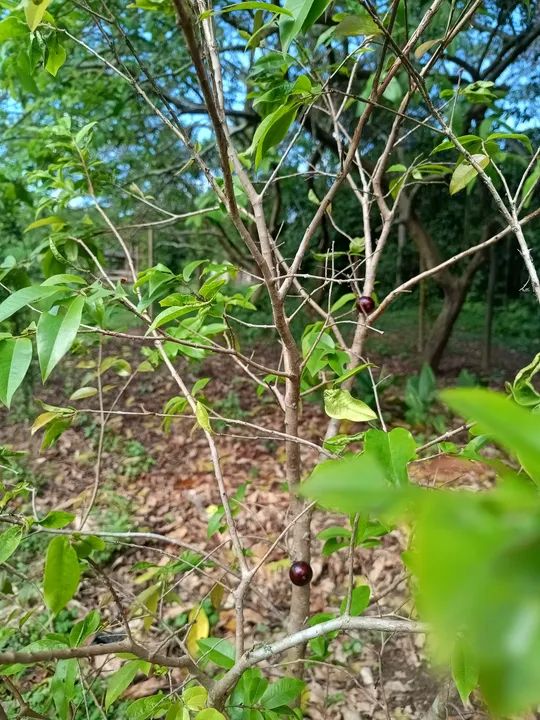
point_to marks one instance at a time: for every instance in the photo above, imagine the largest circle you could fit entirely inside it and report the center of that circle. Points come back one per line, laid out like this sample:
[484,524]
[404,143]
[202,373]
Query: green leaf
[248,5]
[23,297]
[341,405]
[522,389]
[201,413]
[422,49]
[465,173]
[304,14]
[463,139]
[210,714]
[15,358]
[191,267]
[272,130]
[514,428]
[359,24]
[83,393]
[56,56]
[56,334]
[120,681]
[34,11]
[172,313]
[84,628]
[9,542]
[351,373]
[529,185]
[53,432]
[195,697]
[62,279]
[343,300]
[57,519]
[11,27]
[511,136]
[282,692]
[359,600]
[219,651]
[147,707]
[62,574]
[464,670]
[354,483]
[393,451]
[53,220]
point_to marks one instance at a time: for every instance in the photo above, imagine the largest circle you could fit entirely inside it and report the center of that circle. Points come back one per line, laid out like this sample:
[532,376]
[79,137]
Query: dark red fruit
[300,573]
[365,304]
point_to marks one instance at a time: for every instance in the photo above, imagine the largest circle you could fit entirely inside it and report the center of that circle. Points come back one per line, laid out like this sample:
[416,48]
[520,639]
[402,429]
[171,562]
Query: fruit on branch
[300,573]
[365,304]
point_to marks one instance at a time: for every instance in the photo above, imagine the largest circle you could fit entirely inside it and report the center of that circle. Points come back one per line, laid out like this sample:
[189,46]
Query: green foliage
[522,389]
[476,587]
[253,693]
[62,573]
[420,398]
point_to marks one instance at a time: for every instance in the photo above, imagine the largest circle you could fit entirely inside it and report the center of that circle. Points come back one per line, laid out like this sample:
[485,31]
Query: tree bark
[454,297]
[454,287]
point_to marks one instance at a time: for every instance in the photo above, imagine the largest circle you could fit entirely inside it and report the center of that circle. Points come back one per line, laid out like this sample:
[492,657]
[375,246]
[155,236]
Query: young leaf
[15,358]
[56,56]
[34,11]
[522,389]
[62,573]
[56,333]
[201,413]
[341,405]
[9,542]
[465,173]
[272,130]
[304,14]
[84,628]
[393,450]
[83,393]
[195,697]
[210,714]
[248,5]
[191,267]
[43,419]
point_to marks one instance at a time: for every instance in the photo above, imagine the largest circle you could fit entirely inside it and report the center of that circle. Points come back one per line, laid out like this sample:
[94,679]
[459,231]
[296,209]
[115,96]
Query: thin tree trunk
[454,297]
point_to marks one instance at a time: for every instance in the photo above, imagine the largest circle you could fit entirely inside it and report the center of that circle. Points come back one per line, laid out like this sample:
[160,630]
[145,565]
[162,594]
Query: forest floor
[161,482]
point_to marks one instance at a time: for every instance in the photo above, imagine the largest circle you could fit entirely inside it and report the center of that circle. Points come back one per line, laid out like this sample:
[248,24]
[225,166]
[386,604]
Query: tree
[229,122]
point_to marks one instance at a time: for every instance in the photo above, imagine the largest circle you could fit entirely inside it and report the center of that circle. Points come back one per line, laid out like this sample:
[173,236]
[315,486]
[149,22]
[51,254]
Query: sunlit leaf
[34,11]
[341,405]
